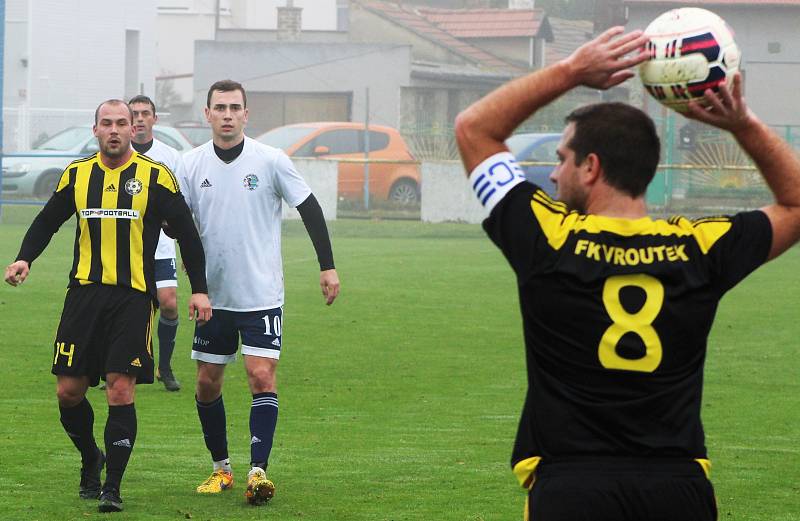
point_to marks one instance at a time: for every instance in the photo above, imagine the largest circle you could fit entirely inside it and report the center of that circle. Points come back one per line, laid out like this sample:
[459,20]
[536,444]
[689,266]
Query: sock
[120,435]
[167,329]
[224,464]
[78,422]
[263,418]
[212,421]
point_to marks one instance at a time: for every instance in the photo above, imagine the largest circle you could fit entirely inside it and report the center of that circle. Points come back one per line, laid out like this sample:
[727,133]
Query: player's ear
[590,168]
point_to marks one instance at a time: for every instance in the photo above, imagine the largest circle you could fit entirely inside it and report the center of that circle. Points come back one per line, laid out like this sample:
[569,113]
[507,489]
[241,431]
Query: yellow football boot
[259,488]
[218,481]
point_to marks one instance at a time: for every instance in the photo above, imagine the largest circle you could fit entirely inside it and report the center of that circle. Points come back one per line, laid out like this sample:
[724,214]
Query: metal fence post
[2,75]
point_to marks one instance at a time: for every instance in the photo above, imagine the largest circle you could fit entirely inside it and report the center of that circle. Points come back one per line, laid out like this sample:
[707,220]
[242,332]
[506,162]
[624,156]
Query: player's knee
[120,390]
[168,306]
[68,396]
[262,379]
[208,386]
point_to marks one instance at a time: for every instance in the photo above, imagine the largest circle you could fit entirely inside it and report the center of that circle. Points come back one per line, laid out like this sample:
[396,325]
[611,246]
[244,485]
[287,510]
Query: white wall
[75,50]
[176,33]
[446,194]
[323,179]
[68,57]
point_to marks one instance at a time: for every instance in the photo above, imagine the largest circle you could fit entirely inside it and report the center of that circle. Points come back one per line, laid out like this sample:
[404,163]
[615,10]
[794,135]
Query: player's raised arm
[602,63]
[775,159]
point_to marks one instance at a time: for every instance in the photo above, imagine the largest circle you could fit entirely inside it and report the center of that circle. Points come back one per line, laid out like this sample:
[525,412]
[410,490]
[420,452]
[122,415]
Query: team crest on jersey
[251,181]
[133,186]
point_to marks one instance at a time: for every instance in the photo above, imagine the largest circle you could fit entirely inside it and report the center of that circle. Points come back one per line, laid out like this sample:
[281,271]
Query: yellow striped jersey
[119,213]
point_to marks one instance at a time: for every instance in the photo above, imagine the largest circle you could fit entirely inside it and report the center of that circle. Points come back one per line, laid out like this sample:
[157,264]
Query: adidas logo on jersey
[255,439]
[205,184]
[123,443]
[276,342]
[111,188]
[136,362]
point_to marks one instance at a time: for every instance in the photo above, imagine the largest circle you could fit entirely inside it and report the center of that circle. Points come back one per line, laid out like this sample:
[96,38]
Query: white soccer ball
[691,50]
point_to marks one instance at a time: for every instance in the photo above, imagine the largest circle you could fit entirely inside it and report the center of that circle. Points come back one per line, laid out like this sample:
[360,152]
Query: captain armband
[494,178]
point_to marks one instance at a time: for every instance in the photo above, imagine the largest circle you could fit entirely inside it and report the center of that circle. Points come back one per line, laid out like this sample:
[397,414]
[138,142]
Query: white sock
[224,464]
[255,470]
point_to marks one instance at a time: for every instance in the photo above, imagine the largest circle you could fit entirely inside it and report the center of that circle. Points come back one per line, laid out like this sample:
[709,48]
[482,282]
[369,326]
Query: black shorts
[105,329]
[627,490]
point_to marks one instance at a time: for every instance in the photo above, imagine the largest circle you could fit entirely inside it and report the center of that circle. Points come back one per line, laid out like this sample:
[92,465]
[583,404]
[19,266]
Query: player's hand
[17,272]
[726,110]
[200,308]
[605,62]
[329,282]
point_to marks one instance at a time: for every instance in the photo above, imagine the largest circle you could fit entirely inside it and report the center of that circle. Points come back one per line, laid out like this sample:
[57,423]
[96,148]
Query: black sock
[78,422]
[167,329]
[120,436]
[212,421]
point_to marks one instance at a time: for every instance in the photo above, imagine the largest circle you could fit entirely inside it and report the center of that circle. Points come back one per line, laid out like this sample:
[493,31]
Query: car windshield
[284,137]
[516,143]
[196,135]
[66,139]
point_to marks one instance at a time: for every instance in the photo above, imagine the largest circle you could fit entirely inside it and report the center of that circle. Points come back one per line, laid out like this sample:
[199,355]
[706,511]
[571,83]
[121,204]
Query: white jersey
[237,207]
[164,153]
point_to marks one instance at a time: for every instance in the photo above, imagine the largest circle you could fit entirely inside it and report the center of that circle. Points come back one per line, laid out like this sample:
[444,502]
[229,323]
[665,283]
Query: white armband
[495,177]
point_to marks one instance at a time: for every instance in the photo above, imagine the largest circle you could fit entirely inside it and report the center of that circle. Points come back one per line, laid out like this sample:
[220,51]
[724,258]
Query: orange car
[393,181]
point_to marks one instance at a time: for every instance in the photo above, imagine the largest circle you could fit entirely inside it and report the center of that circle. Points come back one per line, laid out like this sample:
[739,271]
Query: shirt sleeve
[314,221]
[742,249]
[289,184]
[174,210]
[58,209]
[513,227]
[180,173]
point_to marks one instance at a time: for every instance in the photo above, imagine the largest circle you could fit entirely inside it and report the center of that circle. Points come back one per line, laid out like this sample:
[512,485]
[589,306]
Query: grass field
[399,402]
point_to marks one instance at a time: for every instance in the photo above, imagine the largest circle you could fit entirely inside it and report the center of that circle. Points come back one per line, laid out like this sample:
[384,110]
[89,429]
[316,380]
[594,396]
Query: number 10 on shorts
[275,328]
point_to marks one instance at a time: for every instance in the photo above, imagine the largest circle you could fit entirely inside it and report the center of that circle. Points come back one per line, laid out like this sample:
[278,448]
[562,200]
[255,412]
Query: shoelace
[213,479]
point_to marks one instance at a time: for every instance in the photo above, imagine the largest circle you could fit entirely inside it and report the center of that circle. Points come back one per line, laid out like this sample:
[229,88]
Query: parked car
[398,182]
[196,132]
[37,171]
[539,148]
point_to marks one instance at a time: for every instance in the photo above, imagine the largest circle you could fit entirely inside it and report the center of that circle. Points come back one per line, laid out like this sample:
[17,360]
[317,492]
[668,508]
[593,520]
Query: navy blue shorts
[217,340]
[166,274]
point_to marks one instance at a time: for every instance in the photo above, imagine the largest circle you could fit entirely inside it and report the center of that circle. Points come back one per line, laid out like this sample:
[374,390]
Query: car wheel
[47,184]
[404,191]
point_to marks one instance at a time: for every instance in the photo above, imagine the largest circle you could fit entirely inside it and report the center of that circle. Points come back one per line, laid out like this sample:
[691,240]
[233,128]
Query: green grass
[399,402]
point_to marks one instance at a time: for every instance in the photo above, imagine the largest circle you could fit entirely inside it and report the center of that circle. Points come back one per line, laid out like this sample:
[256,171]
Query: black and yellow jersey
[119,214]
[616,315]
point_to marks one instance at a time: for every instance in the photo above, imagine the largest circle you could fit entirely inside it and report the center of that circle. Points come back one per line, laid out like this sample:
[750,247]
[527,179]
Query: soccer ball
[691,50]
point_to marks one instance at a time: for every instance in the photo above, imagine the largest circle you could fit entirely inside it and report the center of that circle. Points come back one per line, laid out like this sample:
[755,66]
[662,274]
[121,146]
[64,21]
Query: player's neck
[142,141]
[225,145]
[115,162]
[617,204]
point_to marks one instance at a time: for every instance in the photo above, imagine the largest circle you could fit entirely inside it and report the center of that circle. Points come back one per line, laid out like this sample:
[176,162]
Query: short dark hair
[226,86]
[112,101]
[624,139]
[141,98]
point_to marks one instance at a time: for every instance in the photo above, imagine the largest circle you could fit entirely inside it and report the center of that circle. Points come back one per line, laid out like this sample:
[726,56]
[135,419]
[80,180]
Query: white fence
[24,127]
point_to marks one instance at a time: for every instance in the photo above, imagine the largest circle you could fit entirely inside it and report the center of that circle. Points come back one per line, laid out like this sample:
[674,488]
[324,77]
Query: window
[377,140]
[544,152]
[344,141]
[168,140]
